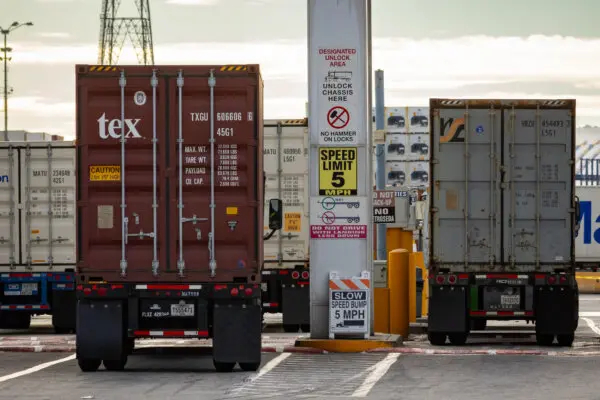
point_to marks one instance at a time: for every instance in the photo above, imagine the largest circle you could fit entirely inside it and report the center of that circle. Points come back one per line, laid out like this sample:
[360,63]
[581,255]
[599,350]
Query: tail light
[87,291]
[552,279]
[440,279]
[248,291]
[101,291]
[295,274]
[452,279]
[234,291]
[563,279]
[305,275]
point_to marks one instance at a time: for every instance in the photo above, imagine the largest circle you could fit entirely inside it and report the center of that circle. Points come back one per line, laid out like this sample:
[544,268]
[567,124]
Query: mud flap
[100,330]
[296,305]
[556,310]
[64,309]
[448,309]
[237,333]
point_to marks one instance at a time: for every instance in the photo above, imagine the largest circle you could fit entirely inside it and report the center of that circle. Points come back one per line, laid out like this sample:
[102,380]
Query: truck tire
[565,340]
[115,365]
[436,338]
[478,324]
[458,338]
[223,366]
[88,365]
[291,328]
[250,367]
[544,339]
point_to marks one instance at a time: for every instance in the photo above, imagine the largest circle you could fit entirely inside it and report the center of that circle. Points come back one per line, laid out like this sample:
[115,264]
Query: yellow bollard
[412,287]
[382,310]
[398,265]
[396,238]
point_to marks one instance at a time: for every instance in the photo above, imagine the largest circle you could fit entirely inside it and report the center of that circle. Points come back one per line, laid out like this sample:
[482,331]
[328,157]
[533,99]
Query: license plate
[182,310]
[20,289]
[510,300]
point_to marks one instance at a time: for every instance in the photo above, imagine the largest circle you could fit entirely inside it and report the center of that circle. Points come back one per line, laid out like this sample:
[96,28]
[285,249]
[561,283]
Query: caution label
[338,175]
[292,222]
[105,172]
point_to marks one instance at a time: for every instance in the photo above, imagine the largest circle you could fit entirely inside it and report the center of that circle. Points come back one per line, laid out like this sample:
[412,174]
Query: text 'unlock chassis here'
[338,96]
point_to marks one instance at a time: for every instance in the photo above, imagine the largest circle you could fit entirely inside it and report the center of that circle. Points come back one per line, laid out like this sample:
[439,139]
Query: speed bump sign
[338,175]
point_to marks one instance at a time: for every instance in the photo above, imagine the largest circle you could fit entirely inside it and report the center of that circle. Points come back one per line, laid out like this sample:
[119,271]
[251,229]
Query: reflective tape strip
[501,276]
[270,304]
[168,287]
[349,284]
[502,313]
[24,307]
[170,333]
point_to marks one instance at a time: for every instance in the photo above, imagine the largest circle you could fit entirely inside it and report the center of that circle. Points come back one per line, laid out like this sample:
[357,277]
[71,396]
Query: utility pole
[5,50]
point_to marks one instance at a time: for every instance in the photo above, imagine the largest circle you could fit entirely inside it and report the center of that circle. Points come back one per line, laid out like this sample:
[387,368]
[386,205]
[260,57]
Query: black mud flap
[296,305]
[448,309]
[100,331]
[237,333]
[556,310]
[64,309]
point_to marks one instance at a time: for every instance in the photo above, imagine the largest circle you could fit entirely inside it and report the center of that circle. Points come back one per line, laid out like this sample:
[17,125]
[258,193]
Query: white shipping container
[286,169]
[587,243]
[36,178]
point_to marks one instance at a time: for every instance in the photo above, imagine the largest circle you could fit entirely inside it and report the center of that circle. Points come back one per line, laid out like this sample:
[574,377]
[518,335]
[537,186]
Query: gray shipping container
[502,185]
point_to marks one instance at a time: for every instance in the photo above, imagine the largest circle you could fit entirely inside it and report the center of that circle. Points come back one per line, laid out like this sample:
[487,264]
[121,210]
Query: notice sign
[384,207]
[338,95]
[338,173]
[338,218]
[349,301]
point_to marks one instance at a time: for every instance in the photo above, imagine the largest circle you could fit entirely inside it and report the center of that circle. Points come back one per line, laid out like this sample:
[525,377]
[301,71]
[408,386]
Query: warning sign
[105,172]
[338,217]
[384,207]
[338,175]
[292,222]
[349,304]
[338,117]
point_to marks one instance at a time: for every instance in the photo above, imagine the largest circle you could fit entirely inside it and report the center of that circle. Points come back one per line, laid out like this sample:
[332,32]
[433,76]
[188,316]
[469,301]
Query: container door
[466,199]
[216,225]
[286,168]
[10,248]
[537,199]
[48,205]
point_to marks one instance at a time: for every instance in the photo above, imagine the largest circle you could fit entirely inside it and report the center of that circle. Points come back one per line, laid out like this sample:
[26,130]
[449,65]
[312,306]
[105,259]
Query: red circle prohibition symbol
[338,117]
[328,217]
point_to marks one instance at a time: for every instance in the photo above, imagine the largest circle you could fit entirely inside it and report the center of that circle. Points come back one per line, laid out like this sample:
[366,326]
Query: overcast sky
[427,48]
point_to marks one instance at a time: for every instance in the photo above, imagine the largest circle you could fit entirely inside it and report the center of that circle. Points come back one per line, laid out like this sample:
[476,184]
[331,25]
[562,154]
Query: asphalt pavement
[494,368]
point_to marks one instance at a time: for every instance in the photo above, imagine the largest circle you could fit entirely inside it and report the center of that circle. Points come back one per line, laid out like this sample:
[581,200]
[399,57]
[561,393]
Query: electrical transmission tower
[115,29]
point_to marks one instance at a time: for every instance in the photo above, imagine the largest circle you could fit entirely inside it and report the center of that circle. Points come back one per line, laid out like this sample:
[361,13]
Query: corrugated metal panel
[35,179]
[478,160]
[286,168]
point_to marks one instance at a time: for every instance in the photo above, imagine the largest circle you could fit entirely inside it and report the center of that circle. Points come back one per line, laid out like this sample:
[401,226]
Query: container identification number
[225,132]
[229,116]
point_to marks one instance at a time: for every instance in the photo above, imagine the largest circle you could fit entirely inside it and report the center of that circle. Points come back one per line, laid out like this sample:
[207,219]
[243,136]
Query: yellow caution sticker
[231,211]
[338,175]
[292,222]
[105,172]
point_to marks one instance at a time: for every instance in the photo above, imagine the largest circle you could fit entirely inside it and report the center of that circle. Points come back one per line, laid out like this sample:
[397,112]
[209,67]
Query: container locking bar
[211,238]
[124,220]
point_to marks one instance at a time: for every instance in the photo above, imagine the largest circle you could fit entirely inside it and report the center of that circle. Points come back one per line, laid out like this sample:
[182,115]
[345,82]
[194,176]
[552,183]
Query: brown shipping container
[238,162]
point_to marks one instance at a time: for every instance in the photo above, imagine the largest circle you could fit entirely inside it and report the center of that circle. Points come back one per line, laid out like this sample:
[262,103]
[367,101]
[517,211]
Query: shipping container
[587,243]
[503,217]
[25,136]
[285,276]
[171,217]
[37,239]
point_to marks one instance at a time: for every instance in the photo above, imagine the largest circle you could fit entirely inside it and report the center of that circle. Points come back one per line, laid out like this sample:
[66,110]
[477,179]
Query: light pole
[6,50]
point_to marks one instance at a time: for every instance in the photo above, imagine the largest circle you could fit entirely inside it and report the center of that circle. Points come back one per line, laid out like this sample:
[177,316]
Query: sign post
[341,212]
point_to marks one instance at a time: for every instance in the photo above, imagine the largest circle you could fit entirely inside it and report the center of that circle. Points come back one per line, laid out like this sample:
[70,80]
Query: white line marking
[379,370]
[589,313]
[592,325]
[270,365]
[36,368]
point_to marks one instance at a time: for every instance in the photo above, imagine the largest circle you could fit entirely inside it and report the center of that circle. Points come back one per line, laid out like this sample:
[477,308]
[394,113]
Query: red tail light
[87,290]
[295,274]
[563,279]
[452,279]
[305,275]
[248,291]
[552,279]
[101,291]
[234,291]
[440,279]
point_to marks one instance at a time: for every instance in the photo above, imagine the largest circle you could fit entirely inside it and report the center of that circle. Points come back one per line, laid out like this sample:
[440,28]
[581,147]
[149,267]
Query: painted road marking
[378,371]
[37,368]
[589,314]
[592,325]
